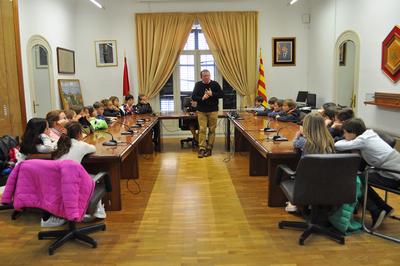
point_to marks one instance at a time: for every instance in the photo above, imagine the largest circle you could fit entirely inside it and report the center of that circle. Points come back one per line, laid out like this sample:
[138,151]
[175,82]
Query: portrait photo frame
[106,53]
[284,51]
[342,54]
[65,61]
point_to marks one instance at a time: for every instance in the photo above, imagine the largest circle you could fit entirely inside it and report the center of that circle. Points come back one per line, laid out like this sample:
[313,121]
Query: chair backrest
[326,179]
[386,137]
[186,104]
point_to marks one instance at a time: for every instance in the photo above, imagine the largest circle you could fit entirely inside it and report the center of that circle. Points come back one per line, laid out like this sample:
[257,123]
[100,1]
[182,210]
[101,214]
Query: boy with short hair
[289,113]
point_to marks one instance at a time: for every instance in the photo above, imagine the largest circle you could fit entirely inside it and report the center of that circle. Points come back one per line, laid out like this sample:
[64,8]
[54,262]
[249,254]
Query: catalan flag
[353,100]
[261,90]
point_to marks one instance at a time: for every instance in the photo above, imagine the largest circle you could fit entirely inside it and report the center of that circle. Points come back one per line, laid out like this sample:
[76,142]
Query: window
[195,57]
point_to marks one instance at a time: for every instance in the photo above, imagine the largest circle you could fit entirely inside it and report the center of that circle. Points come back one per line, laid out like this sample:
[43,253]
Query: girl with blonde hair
[314,137]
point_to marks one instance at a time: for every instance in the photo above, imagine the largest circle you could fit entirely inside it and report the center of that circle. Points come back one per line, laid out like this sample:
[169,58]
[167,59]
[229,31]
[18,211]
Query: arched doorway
[41,80]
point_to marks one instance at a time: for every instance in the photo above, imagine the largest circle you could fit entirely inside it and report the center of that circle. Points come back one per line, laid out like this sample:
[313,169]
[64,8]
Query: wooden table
[266,154]
[119,161]
[186,115]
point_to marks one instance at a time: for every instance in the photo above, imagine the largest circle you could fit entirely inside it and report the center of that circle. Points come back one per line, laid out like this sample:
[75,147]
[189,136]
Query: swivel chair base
[312,228]
[72,233]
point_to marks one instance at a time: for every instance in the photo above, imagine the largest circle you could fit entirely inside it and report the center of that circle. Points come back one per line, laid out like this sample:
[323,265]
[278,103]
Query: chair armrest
[282,171]
[369,169]
[106,179]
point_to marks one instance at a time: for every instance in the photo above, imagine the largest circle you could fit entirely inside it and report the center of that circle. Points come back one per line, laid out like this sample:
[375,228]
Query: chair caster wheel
[94,245]
[51,252]
[301,242]
[280,225]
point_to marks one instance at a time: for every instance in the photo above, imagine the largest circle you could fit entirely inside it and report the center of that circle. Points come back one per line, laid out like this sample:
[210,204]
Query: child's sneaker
[100,212]
[53,221]
[290,207]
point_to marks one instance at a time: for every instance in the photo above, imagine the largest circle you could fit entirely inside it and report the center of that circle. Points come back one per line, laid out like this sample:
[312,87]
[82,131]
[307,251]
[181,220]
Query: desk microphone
[277,137]
[140,121]
[269,129]
[129,131]
[111,142]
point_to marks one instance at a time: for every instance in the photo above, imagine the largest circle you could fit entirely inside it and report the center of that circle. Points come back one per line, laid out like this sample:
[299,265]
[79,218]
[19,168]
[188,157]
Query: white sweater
[373,149]
[78,150]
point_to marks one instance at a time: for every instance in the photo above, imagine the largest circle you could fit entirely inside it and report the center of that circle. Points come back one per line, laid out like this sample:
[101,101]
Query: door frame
[32,42]
[353,36]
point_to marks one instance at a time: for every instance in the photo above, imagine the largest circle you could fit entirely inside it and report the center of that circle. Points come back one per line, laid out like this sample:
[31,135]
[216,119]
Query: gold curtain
[160,37]
[232,37]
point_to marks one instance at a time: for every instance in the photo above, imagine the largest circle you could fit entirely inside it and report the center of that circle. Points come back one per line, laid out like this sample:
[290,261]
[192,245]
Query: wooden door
[12,102]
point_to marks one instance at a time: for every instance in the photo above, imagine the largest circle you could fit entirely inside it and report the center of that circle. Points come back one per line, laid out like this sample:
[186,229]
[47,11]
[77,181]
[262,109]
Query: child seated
[376,152]
[341,117]
[143,107]
[129,107]
[289,113]
[258,107]
[70,115]
[99,108]
[115,103]
[271,104]
[277,109]
[36,139]
[56,120]
[109,109]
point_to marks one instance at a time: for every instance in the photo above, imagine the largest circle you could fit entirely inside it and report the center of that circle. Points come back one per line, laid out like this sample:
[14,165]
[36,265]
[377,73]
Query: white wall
[116,22]
[372,20]
[55,21]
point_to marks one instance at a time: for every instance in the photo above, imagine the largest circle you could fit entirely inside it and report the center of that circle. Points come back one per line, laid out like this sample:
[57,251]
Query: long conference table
[121,161]
[265,153]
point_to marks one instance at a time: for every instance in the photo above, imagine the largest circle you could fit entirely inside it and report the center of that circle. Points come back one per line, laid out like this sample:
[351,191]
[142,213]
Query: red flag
[126,79]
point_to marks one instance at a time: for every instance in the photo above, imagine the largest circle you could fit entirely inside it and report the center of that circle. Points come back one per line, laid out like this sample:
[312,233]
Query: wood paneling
[12,117]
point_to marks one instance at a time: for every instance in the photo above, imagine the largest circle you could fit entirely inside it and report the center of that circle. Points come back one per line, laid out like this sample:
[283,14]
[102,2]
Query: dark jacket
[291,116]
[111,112]
[144,108]
[210,104]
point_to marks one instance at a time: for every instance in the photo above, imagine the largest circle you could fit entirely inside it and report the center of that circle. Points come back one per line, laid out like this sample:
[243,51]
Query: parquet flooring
[194,211]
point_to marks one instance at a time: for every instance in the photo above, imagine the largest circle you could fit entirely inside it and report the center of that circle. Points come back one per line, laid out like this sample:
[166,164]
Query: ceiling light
[96,3]
[292,2]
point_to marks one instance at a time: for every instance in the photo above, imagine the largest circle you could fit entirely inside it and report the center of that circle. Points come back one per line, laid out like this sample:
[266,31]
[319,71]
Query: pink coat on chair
[62,188]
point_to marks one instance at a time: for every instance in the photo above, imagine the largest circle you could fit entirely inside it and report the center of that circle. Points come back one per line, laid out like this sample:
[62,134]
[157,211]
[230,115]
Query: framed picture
[41,57]
[65,61]
[284,51]
[342,54]
[70,93]
[106,53]
[391,54]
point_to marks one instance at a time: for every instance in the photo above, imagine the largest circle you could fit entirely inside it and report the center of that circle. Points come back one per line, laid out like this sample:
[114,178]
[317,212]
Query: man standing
[206,93]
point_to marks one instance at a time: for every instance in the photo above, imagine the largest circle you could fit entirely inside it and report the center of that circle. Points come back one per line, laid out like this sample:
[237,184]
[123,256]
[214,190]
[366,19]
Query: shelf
[386,100]
[384,105]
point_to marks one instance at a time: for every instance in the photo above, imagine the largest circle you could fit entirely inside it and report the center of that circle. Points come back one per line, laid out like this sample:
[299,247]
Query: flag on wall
[125,80]
[261,90]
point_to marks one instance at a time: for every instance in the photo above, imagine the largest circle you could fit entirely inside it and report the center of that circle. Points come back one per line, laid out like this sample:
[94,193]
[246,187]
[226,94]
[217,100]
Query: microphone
[111,142]
[269,129]
[129,131]
[277,137]
[140,121]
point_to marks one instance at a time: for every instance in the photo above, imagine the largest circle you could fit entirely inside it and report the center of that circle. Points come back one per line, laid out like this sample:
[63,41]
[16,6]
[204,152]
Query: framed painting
[106,53]
[70,93]
[65,61]
[391,54]
[284,51]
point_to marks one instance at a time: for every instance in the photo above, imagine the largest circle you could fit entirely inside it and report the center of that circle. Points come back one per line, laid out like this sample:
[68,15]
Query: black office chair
[103,185]
[321,181]
[386,189]
[184,124]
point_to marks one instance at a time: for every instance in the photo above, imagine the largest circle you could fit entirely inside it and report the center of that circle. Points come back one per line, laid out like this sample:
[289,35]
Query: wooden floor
[194,211]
